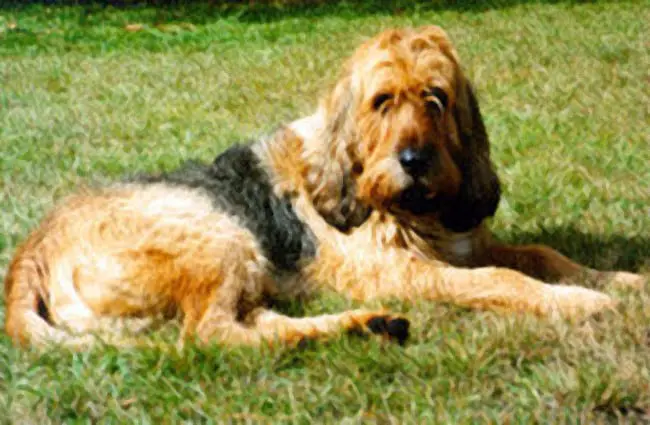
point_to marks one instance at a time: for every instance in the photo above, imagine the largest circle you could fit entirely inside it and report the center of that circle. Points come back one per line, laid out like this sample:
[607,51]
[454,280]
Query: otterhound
[381,193]
[402,132]
[212,242]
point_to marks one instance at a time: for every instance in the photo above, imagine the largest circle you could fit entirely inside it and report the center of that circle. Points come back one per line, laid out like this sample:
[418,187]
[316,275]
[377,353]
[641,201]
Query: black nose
[416,161]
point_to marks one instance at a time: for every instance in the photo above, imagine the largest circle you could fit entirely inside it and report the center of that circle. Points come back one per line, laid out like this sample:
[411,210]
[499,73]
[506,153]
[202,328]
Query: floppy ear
[480,191]
[331,162]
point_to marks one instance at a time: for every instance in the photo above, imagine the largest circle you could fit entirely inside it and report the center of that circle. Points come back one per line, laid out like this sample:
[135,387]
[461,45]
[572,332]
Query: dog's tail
[28,317]
[28,321]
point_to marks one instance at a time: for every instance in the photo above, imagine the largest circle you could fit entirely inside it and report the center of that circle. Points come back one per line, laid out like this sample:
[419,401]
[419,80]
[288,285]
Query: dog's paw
[626,280]
[391,328]
[577,303]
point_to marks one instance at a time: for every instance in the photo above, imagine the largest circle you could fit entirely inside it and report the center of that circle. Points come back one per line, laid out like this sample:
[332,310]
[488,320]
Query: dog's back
[152,247]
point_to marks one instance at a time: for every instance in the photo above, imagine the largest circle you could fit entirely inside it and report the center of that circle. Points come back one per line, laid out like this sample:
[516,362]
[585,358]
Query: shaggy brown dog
[211,242]
[402,132]
[398,153]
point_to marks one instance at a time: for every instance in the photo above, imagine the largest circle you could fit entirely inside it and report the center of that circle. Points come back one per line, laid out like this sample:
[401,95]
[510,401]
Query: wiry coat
[404,91]
[211,242]
[383,192]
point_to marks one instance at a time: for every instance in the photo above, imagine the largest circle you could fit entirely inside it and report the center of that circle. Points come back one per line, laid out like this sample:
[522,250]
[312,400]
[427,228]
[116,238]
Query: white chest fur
[461,246]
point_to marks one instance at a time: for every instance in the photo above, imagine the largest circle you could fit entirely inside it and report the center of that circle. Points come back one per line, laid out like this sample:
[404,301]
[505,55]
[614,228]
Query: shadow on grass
[603,252]
[203,11]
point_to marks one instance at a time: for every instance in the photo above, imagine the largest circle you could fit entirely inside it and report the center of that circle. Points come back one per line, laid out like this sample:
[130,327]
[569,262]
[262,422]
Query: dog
[382,193]
[213,243]
[403,131]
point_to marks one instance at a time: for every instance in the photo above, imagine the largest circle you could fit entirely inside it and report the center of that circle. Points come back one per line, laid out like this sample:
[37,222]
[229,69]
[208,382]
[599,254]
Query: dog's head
[405,134]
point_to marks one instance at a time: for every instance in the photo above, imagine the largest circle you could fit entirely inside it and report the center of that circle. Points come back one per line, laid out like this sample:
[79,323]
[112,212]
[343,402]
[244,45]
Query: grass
[565,92]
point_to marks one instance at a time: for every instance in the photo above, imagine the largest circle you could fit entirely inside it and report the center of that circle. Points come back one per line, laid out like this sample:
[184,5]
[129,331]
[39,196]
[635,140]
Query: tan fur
[395,254]
[111,261]
[126,256]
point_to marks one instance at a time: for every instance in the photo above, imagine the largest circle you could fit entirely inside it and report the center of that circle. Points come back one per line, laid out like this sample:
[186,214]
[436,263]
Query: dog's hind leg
[263,326]
[271,325]
[545,263]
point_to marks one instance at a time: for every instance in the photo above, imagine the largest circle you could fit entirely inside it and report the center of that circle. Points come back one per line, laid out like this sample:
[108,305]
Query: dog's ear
[332,167]
[480,191]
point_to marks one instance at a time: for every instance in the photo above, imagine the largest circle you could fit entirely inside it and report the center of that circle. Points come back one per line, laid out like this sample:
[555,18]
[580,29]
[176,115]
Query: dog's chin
[417,200]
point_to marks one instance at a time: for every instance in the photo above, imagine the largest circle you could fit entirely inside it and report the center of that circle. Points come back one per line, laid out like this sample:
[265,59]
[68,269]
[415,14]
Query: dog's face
[406,88]
[413,130]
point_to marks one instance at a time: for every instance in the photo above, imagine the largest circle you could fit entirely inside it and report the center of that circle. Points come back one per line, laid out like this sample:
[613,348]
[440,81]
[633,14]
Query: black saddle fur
[240,187]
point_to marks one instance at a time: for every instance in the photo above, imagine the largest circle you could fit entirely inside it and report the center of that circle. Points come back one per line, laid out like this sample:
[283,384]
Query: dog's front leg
[508,290]
[543,262]
[394,272]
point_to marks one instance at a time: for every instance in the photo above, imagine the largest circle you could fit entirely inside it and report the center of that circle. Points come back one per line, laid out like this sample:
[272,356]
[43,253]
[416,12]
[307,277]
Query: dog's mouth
[418,199]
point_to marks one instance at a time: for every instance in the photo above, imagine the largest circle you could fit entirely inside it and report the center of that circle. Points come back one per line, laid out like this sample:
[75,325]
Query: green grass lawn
[565,90]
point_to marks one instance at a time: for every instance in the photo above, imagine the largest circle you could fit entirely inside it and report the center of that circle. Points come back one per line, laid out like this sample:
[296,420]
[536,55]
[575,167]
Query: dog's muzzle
[417,198]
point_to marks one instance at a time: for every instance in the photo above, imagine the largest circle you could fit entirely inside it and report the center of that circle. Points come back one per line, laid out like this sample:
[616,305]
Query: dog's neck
[327,162]
[297,156]
[306,127]
[281,155]
[286,151]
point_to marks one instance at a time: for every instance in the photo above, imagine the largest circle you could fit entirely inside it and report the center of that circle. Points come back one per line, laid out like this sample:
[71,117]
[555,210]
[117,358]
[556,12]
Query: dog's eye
[436,99]
[380,100]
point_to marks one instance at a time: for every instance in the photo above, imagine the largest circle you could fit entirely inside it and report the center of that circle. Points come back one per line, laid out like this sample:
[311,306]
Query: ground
[89,94]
